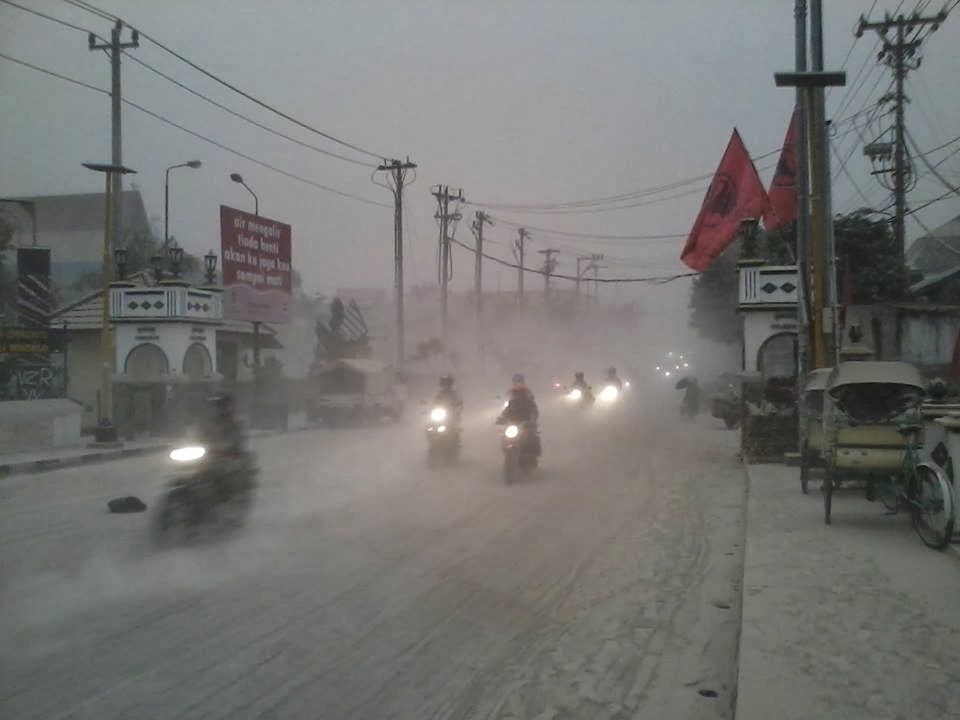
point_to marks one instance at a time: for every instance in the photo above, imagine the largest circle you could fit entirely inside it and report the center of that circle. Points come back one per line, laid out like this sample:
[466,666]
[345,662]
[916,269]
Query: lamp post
[210,267]
[237,178]
[193,164]
[106,432]
[120,258]
[175,254]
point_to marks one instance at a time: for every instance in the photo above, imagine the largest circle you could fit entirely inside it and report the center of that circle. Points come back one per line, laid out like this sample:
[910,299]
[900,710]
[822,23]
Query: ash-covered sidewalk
[858,619]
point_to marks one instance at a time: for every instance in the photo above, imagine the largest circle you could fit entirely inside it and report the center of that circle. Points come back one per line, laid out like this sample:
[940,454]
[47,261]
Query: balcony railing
[165,303]
[769,285]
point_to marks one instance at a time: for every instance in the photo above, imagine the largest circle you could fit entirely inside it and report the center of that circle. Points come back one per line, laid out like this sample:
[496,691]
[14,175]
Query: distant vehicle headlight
[442,428]
[188,454]
[438,414]
[575,394]
[609,393]
[512,431]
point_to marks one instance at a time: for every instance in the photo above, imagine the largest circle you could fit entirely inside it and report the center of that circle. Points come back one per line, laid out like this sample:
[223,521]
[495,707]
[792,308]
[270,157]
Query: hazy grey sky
[516,102]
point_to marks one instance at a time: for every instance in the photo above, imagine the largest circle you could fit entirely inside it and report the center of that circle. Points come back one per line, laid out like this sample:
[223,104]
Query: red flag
[734,194]
[783,187]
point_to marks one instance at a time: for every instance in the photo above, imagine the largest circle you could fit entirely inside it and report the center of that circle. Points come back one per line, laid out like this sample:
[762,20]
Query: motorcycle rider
[613,379]
[226,442]
[580,382]
[448,397]
[522,408]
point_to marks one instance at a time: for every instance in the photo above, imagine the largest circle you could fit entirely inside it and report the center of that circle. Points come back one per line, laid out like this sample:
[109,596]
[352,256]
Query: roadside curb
[27,467]
[32,467]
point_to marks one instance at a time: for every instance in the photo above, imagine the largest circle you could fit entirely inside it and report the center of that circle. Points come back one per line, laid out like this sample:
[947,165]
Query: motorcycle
[727,407]
[521,449]
[202,494]
[581,397]
[443,436]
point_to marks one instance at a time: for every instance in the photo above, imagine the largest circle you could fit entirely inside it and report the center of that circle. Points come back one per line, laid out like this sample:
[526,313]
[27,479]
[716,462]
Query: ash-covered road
[606,585]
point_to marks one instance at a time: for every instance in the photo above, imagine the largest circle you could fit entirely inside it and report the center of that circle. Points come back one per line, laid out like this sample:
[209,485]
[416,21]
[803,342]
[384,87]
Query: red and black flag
[783,187]
[734,194]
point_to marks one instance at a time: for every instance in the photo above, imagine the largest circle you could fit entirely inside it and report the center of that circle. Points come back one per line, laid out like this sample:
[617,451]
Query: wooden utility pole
[549,265]
[398,175]
[519,253]
[481,219]
[442,194]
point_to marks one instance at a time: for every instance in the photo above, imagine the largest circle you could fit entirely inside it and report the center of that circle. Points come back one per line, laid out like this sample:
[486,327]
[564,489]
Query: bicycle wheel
[933,509]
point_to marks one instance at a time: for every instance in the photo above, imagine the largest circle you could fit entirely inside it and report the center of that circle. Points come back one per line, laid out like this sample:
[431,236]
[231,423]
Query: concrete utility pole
[114,48]
[901,55]
[442,194]
[481,219]
[803,206]
[549,265]
[812,84]
[398,174]
[518,253]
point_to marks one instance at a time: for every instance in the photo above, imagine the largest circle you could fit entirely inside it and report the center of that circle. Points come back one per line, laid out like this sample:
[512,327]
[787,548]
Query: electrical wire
[197,135]
[92,8]
[590,236]
[51,18]
[659,279]
[243,117]
[929,165]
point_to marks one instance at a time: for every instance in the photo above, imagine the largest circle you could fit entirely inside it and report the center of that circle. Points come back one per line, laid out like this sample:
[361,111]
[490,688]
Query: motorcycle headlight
[609,393]
[575,394]
[626,383]
[512,431]
[188,454]
[438,414]
[442,428]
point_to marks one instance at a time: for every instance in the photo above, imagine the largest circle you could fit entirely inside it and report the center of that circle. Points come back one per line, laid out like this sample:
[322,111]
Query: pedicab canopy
[875,391]
[817,380]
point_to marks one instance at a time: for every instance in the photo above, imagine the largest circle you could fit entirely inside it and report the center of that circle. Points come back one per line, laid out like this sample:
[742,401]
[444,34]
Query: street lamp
[210,267]
[237,178]
[175,253]
[120,258]
[193,164]
[106,431]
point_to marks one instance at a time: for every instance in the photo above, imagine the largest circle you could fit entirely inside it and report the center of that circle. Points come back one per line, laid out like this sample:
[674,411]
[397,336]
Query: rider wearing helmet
[448,397]
[225,439]
[579,381]
[613,379]
[521,405]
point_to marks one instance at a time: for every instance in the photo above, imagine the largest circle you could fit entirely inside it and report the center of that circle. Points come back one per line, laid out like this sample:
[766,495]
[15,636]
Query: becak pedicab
[872,432]
[814,401]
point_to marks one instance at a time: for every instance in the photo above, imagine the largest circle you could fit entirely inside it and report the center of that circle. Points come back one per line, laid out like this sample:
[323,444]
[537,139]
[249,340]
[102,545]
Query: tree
[867,248]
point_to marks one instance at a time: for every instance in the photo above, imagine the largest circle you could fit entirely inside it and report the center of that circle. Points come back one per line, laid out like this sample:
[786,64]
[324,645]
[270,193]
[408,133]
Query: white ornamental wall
[173,338]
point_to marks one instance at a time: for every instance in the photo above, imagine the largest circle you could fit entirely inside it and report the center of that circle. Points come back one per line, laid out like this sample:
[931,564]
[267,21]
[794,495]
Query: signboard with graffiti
[32,363]
[256,267]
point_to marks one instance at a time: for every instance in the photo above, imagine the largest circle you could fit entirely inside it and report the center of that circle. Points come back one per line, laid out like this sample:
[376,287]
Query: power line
[245,118]
[932,169]
[197,135]
[92,8]
[653,190]
[540,271]
[99,13]
[51,18]
[592,236]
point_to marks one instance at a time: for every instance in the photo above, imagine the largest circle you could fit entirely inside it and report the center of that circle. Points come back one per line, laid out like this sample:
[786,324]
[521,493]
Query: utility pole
[518,253]
[114,48]
[398,175]
[593,260]
[901,55]
[812,84]
[442,194]
[549,265]
[803,218]
[481,219]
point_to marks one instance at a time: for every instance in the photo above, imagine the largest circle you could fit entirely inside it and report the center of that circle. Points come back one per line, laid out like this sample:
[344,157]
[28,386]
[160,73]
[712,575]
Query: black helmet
[446,381]
[611,371]
[518,379]
[222,403]
[578,375]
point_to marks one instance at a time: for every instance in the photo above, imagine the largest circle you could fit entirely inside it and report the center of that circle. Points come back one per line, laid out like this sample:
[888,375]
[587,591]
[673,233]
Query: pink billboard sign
[256,261]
